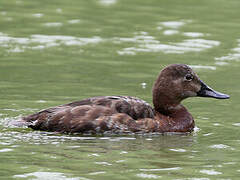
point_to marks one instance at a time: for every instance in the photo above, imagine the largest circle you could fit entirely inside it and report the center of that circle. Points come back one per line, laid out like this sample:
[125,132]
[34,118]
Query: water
[54,52]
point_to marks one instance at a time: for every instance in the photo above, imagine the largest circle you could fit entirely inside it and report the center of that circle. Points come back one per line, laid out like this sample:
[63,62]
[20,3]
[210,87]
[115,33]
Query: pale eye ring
[189,77]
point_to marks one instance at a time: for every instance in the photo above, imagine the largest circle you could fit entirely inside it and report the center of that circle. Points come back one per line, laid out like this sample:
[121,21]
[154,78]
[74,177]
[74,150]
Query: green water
[57,51]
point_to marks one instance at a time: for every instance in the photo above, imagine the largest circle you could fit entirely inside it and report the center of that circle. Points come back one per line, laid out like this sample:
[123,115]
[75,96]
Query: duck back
[97,114]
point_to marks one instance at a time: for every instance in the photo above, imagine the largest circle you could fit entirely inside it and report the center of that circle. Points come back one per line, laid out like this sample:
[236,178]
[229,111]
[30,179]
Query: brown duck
[124,114]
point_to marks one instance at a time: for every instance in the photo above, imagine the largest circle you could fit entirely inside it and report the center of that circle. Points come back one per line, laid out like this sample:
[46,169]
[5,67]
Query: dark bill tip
[206,91]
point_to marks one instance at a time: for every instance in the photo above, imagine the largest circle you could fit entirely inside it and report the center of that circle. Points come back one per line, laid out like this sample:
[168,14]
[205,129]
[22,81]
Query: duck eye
[189,77]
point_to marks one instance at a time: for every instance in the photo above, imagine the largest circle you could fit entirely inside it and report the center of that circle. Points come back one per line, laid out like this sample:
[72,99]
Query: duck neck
[172,115]
[166,104]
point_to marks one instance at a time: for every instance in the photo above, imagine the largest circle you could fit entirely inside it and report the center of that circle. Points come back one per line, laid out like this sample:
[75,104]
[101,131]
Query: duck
[126,114]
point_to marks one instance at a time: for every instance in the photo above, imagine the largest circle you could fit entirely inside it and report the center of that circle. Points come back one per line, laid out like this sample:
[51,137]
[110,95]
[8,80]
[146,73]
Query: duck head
[177,82]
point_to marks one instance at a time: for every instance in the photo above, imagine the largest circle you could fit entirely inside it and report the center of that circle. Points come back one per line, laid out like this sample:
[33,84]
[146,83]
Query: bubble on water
[144,85]
[196,129]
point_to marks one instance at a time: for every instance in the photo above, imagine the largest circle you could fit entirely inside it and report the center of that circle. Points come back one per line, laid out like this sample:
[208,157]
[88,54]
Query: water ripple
[236,124]
[233,56]
[53,24]
[162,169]
[74,21]
[107,2]
[97,173]
[178,150]
[170,32]
[148,176]
[38,15]
[193,34]
[210,172]
[4,13]
[37,41]
[104,163]
[5,150]
[48,175]
[146,43]
[221,146]
[173,24]
[203,67]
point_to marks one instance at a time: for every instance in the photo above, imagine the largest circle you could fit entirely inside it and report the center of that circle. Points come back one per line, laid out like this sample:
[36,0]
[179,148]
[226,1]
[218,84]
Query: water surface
[54,52]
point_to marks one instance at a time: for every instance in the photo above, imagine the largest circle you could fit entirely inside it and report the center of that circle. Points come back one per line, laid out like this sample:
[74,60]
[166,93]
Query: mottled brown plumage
[123,114]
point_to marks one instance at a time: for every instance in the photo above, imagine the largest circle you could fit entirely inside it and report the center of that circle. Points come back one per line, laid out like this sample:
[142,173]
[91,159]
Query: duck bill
[206,91]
